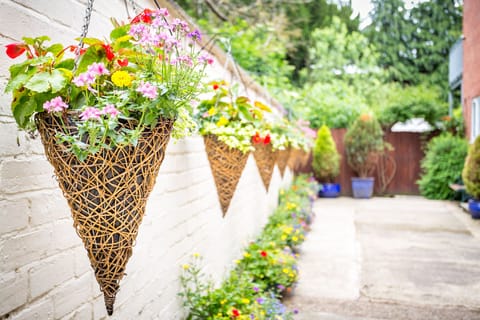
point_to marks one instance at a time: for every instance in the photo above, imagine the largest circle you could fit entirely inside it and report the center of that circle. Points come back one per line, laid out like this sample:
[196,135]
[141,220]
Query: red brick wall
[471,57]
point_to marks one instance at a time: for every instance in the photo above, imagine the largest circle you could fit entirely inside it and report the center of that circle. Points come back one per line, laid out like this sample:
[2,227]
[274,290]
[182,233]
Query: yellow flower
[245,301]
[222,121]
[196,255]
[121,79]
[286,271]
[185,266]
[246,255]
[284,237]
[295,239]
[292,275]
[237,261]
[223,302]
[212,111]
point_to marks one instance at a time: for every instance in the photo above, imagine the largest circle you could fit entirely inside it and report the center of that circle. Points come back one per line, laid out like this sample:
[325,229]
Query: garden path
[389,258]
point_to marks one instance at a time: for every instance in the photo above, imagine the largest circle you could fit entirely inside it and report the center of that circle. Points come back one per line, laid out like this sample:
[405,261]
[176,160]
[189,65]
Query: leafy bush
[363,144]
[404,103]
[326,159]
[471,172]
[442,164]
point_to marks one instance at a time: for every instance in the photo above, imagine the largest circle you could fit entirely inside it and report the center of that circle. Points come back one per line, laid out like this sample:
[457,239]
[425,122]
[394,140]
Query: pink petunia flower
[148,90]
[110,110]
[97,69]
[90,113]
[55,105]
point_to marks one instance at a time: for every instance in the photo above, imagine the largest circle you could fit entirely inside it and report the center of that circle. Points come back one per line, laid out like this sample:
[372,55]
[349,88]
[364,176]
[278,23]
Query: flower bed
[267,270]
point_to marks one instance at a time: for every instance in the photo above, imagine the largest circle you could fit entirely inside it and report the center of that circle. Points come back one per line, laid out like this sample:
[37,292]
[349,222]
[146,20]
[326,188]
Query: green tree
[413,44]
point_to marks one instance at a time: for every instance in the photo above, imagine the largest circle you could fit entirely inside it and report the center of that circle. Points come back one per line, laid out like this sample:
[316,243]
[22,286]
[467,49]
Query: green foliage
[337,54]
[258,48]
[363,144]
[335,104]
[404,103]
[413,43]
[442,165]
[471,170]
[326,159]
[267,269]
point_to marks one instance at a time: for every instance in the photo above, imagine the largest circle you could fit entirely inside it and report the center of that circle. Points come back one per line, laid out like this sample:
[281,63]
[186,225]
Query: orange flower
[365,117]
[256,138]
[263,254]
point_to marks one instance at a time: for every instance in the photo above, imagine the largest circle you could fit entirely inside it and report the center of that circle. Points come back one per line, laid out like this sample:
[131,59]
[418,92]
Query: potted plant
[363,145]
[471,178]
[326,163]
[105,115]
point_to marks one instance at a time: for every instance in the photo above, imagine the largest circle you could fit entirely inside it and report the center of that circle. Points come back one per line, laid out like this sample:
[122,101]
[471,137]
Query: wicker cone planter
[265,158]
[107,194]
[282,160]
[227,165]
[294,159]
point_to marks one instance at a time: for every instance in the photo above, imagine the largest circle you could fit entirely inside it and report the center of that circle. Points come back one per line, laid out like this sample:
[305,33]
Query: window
[475,119]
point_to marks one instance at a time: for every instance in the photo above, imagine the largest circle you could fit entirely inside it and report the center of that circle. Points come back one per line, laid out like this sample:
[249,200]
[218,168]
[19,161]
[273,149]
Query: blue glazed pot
[329,190]
[362,187]
[474,208]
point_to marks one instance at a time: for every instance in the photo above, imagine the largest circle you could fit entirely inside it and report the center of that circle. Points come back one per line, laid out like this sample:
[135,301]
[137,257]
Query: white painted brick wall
[44,269]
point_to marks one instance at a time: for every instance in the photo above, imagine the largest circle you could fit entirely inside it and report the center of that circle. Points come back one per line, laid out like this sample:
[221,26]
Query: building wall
[44,269]
[471,57]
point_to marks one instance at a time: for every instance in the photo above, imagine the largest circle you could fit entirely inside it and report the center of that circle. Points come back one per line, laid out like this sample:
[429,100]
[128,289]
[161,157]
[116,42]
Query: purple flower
[260,300]
[281,287]
[195,35]
[205,58]
[137,29]
[162,12]
[55,105]
[255,289]
[295,311]
[148,90]
[180,25]
[110,110]
[97,69]
[90,113]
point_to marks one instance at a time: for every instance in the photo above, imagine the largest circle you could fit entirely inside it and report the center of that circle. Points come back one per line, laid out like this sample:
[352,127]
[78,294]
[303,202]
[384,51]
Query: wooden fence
[407,154]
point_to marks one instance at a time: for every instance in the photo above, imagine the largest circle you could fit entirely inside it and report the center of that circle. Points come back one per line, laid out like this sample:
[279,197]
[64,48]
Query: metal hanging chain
[134,6]
[86,23]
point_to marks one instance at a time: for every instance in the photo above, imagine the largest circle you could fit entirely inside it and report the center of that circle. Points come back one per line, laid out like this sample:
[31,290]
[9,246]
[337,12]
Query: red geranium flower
[263,254]
[256,138]
[235,313]
[123,63]
[267,139]
[15,49]
[145,16]
[215,86]
[108,51]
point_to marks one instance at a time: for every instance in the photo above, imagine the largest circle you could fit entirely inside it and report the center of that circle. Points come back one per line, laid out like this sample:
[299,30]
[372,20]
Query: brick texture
[471,58]
[44,269]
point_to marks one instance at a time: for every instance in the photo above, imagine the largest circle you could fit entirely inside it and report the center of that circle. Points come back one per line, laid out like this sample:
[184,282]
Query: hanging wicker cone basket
[227,165]
[293,160]
[107,194]
[265,158]
[305,158]
[282,160]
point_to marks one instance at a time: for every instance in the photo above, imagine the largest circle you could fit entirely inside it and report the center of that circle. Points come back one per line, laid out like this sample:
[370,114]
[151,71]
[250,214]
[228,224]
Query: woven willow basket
[107,194]
[265,158]
[282,160]
[227,165]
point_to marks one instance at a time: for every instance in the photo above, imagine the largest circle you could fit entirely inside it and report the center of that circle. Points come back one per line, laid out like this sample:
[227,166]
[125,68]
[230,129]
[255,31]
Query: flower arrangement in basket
[300,146]
[105,116]
[268,141]
[226,121]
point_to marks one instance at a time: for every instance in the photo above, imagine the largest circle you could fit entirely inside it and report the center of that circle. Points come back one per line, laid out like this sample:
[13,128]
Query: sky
[365,6]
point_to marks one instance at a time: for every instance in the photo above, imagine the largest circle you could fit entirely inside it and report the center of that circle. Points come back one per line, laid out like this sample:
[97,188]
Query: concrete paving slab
[389,258]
